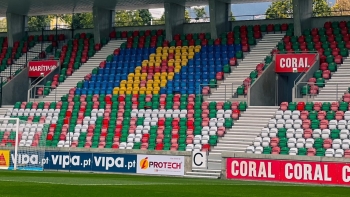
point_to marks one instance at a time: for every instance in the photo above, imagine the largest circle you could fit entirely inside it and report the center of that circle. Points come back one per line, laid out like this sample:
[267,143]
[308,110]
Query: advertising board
[160,165]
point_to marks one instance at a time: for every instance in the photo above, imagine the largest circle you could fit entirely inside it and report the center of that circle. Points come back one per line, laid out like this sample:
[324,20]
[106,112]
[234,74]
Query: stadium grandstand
[199,92]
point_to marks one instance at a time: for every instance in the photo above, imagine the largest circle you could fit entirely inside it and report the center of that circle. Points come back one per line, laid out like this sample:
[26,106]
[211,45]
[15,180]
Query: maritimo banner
[333,173]
[41,68]
[294,63]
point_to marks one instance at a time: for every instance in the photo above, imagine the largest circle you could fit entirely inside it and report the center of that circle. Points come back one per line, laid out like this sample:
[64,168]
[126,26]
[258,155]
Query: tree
[78,20]
[341,8]
[187,16]
[131,18]
[284,9]
[3,25]
[232,17]
[200,12]
[146,16]
[36,23]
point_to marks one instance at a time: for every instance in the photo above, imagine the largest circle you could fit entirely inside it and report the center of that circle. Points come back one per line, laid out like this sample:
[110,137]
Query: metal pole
[16,144]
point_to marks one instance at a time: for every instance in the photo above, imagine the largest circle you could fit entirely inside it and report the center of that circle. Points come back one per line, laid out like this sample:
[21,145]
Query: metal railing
[228,94]
[138,23]
[33,90]
[333,96]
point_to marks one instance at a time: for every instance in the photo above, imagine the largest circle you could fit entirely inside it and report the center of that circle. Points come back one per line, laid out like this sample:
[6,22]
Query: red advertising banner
[41,68]
[288,171]
[294,63]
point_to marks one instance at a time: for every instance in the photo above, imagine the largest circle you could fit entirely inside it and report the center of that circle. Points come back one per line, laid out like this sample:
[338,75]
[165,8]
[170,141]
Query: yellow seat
[116,90]
[156,90]
[135,90]
[162,85]
[142,90]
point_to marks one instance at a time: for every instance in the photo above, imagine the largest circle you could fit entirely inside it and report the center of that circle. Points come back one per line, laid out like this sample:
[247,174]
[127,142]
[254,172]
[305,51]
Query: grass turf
[21,183]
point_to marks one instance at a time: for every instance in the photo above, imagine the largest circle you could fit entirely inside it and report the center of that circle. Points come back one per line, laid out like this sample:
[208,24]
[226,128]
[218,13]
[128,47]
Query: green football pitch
[50,184]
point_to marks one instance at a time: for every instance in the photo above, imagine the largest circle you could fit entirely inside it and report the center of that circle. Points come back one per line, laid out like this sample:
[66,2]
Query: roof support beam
[174,19]
[15,27]
[302,14]
[219,13]
[103,22]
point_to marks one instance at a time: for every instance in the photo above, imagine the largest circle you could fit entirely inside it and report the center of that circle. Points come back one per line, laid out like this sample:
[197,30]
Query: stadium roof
[44,7]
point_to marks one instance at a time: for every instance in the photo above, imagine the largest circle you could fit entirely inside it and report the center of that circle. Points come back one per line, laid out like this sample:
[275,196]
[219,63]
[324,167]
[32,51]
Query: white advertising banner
[160,165]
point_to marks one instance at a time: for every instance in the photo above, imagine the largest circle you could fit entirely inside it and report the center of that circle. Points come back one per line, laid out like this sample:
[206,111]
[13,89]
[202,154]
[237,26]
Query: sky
[237,9]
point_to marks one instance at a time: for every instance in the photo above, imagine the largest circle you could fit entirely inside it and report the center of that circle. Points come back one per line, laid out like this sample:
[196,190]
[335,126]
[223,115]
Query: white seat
[134,113]
[336,143]
[197,147]
[220,113]
[213,130]
[272,123]
[265,142]
[339,153]
[250,149]
[280,123]
[257,141]
[228,113]
[333,124]
[289,124]
[183,113]
[345,144]
[265,132]
[212,122]
[258,150]
[309,143]
[220,122]
[161,113]
[155,113]
[287,114]
[329,152]
[176,113]
[205,130]
[299,133]
[189,147]
[295,114]
[169,113]
[273,132]
[347,115]
[279,114]
[342,124]
[300,143]
[291,142]
[290,133]
[325,133]
[316,133]
[344,133]
[297,124]
[293,151]
[129,145]
[205,139]
[197,139]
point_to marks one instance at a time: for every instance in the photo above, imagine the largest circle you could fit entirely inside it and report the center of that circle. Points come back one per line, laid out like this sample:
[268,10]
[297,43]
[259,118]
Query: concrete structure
[219,13]
[302,14]
[15,27]
[103,22]
[174,19]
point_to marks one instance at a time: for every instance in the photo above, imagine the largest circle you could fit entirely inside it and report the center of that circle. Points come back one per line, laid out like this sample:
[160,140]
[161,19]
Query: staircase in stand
[337,85]
[19,63]
[235,79]
[85,69]
[236,139]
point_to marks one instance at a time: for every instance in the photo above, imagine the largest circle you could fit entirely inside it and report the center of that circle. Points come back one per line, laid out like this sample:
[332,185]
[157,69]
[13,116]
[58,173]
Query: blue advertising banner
[101,162]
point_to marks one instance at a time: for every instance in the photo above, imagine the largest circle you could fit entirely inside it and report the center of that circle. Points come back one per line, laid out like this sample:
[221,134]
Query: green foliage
[3,25]
[232,17]
[284,9]
[78,21]
[134,18]
[200,12]
[37,23]
[187,16]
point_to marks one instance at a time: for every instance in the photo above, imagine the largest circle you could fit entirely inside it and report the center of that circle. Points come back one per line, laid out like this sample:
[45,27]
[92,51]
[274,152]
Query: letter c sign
[199,159]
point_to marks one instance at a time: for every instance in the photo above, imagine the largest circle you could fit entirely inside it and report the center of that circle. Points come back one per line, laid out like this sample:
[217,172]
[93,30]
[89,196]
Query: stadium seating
[331,42]
[72,56]
[312,129]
